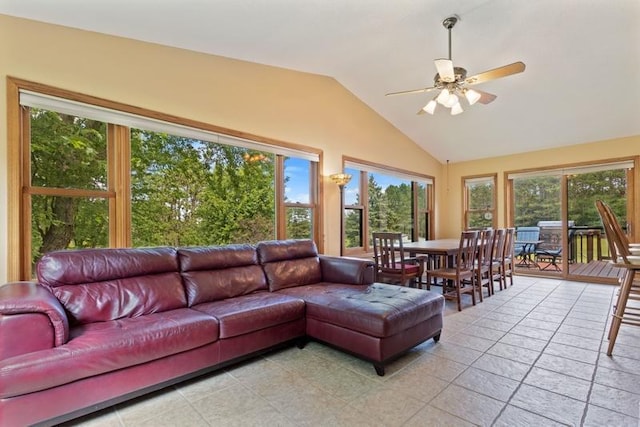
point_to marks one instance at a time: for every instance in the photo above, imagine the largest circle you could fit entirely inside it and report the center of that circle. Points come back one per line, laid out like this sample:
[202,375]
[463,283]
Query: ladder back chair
[390,260]
[626,308]
[461,274]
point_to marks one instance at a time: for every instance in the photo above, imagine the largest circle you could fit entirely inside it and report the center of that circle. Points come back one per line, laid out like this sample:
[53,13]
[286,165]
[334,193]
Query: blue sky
[297,188]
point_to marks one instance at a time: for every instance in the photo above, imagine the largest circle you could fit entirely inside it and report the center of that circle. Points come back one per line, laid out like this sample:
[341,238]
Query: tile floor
[532,355]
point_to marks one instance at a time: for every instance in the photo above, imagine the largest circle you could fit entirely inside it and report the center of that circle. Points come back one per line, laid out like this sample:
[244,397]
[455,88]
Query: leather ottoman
[378,322]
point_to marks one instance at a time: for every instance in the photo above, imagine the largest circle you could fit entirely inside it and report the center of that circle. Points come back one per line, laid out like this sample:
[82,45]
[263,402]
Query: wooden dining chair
[497,255]
[482,265]
[391,262]
[626,308]
[461,273]
[507,258]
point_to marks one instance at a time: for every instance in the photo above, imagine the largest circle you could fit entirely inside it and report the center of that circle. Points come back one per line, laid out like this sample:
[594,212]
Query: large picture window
[96,176]
[381,199]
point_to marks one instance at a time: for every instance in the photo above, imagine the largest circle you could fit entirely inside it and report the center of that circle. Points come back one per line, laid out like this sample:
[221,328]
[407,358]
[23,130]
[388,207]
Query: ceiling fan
[453,82]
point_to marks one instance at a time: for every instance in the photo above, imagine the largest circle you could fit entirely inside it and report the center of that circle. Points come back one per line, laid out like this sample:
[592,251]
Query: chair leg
[622,305]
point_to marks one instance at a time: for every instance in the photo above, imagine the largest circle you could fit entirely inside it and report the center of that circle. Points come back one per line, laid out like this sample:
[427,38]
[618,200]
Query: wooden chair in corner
[626,308]
[461,271]
[391,263]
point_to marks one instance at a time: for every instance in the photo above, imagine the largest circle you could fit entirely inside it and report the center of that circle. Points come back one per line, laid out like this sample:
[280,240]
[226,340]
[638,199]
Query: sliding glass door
[555,209]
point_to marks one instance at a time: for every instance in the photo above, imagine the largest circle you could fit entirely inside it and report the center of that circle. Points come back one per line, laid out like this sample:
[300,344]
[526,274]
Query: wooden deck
[594,271]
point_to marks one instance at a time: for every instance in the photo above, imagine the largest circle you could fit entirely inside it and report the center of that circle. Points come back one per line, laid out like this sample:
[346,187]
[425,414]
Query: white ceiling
[581,84]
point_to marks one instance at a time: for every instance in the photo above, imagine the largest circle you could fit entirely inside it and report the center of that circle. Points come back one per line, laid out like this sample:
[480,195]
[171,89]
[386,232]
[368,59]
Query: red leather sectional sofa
[105,325]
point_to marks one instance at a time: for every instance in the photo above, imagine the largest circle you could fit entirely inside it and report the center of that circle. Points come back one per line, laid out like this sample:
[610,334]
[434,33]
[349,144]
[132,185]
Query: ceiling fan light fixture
[451,101]
[456,109]
[443,98]
[472,96]
[430,107]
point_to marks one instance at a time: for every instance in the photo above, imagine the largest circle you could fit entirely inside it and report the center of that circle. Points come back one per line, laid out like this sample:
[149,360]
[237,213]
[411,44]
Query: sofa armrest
[31,318]
[352,271]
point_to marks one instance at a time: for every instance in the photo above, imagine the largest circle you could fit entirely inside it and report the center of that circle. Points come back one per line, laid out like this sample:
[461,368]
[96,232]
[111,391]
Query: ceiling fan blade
[485,97]
[496,73]
[406,92]
[445,69]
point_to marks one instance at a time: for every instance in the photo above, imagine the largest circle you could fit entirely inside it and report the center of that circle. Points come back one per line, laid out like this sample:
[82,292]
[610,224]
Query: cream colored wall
[451,185]
[300,108]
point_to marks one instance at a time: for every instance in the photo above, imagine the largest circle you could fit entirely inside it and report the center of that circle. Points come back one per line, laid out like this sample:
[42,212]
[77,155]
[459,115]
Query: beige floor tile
[620,363]
[431,416]
[197,388]
[553,318]
[618,379]
[590,316]
[537,333]
[513,416]
[566,366]
[599,417]
[582,332]
[416,384]
[455,352]
[486,333]
[465,340]
[387,406]
[570,352]
[524,342]
[495,324]
[468,405]
[615,400]
[518,354]
[576,341]
[487,383]
[539,324]
[559,383]
[435,366]
[501,366]
[548,404]
[151,406]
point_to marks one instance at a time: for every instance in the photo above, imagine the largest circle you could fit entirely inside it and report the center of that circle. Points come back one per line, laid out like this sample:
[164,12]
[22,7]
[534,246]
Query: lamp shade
[456,109]
[430,107]
[443,98]
[472,96]
[340,178]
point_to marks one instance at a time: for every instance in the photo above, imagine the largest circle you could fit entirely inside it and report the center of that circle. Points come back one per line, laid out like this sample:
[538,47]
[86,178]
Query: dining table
[432,251]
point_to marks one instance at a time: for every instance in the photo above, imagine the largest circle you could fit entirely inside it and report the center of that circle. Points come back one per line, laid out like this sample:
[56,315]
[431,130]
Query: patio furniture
[527,238]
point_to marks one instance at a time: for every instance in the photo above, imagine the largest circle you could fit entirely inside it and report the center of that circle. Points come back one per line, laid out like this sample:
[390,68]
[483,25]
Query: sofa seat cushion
[253,312]
[102,347]
[379,310]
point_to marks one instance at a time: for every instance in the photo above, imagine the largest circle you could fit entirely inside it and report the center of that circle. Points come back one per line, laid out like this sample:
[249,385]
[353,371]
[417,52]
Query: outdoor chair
[390,260]
[525,244]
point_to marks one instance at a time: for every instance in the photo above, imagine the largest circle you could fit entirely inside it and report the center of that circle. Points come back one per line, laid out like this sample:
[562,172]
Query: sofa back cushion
[219,272]
[96,285]
[289,263]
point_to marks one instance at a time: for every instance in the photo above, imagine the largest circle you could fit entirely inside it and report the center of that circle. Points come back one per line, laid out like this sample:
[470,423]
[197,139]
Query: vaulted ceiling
[581,83]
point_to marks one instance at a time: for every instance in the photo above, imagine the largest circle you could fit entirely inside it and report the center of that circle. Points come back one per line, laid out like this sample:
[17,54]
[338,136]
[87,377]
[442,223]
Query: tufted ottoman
[378,322]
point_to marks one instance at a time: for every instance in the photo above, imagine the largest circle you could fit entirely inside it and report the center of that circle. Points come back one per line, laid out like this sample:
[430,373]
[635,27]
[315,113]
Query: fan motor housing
[459,73]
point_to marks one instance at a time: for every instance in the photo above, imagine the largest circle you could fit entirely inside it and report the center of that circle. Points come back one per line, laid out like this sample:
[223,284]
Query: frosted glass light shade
[456,109]
[430,107]
[472,96]
[443,98]
[451,101]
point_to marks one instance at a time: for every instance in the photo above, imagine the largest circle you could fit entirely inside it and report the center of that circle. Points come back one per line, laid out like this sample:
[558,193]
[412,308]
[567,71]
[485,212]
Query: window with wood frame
[95,176]
[479,202]
[380,198]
